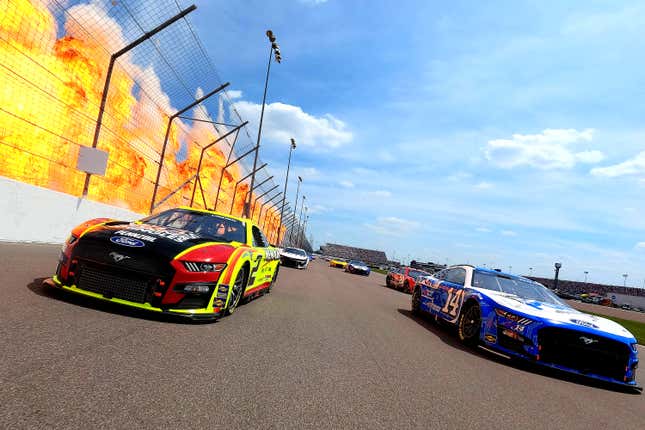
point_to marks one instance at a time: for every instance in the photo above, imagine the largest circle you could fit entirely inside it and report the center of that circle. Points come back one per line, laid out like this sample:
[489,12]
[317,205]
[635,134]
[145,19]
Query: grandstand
[370,256]
[574,287]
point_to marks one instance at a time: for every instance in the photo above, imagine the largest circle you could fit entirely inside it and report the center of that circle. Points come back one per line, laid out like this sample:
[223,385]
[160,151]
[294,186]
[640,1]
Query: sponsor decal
[127,241]
[118,257]
[490,338]
[584,323]
[136,235]
[176,235]
[513,317]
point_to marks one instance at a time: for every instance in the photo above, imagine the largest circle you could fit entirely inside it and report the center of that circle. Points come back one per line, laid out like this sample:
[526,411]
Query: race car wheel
[416,301]
[237,292]
[275,278]
[469,325]
[406,287]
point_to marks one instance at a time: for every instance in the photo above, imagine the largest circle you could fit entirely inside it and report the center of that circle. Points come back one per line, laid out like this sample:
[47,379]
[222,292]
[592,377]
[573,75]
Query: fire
[50,92]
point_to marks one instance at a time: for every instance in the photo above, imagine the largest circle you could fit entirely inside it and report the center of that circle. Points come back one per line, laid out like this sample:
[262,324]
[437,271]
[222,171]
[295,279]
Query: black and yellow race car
[194,263]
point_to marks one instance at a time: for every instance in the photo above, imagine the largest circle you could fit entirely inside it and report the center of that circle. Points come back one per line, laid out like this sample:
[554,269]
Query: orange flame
[50,91]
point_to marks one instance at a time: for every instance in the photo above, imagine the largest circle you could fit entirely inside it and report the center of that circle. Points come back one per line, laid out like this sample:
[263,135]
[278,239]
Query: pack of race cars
[202,264]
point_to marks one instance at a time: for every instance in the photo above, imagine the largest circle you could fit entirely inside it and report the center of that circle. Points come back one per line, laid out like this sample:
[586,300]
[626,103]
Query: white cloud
[640,245]
[346,184]
[283,121]
[316,209]
[393,226]
[508,233]
[234,94]
[484,186]
[634,166]
[379,193]
[550,149]
[483,230]
[309,172]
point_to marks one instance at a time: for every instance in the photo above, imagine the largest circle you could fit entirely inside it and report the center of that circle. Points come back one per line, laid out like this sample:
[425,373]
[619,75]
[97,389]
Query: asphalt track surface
[325,349]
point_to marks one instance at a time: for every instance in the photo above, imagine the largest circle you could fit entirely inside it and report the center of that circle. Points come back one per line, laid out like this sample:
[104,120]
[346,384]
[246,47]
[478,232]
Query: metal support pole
[165,139]
[286,181]
[266,202]
[257,145]
[304,229]
[108,77]
[260,196]
[235,130]
[295,208]
[229,164]
[238,183]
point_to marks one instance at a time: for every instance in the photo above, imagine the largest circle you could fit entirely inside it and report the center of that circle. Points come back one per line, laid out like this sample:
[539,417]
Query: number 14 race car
[194,263]
[522,319]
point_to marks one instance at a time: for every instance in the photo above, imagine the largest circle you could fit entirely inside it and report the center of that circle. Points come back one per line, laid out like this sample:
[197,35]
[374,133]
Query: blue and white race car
[523,319]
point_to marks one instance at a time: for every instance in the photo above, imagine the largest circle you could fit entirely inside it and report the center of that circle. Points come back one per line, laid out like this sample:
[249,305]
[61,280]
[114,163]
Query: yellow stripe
[145,306]
[87,230]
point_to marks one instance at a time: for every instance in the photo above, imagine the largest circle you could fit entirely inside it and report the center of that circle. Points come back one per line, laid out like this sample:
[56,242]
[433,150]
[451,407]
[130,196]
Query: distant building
[370,256]
[429,267]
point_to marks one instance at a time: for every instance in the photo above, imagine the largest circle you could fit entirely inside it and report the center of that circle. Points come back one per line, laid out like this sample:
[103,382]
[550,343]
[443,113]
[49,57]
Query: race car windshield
[296,251]
[357,263]
[524,289]
[415,273]
[206,225]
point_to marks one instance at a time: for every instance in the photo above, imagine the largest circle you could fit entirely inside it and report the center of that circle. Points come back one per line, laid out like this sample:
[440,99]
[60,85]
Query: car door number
[453,301]
[254,270]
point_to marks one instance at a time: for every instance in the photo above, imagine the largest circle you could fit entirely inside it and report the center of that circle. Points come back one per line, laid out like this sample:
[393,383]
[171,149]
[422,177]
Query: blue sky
[505,133]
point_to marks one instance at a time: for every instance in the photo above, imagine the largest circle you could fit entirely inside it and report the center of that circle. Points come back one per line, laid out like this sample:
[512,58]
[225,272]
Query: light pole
[286,180]
[586,272]
[530,271]
[295,208]
[625,279]
[304,230]
[278,58]
[510,268]
[557,272]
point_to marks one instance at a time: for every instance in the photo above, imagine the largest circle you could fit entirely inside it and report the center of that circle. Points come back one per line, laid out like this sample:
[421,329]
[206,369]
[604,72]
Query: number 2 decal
[453,302]
[254,270]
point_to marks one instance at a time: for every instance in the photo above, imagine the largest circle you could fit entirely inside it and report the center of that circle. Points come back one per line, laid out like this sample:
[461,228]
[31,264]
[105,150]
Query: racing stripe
[232,262]
[259,287]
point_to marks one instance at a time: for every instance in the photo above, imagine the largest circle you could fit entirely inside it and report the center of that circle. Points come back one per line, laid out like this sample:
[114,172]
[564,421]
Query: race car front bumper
[292,262]
[204,314]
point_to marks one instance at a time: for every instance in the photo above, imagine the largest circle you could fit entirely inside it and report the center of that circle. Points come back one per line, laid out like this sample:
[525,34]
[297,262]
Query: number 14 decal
[453,301]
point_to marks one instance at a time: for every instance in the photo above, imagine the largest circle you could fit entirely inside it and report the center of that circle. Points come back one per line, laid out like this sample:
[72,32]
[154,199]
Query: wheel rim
[237,291]
[470,322]
[416,299]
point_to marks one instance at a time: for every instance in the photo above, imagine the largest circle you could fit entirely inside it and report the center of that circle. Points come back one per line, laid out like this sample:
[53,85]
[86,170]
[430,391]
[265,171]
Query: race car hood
[293,256]
[358,266]
[559,314]
[142,247]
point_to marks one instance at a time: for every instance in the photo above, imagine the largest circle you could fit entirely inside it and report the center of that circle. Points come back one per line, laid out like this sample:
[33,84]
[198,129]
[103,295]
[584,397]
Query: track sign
[92,160]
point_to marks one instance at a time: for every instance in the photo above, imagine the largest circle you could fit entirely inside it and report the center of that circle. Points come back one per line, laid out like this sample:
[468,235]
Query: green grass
[635,327]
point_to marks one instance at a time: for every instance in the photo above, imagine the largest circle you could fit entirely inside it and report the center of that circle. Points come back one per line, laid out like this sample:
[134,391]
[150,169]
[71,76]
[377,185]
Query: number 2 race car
[521,318]
[187,262]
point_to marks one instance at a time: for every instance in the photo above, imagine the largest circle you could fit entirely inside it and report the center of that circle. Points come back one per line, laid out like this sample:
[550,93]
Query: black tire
[238,291]
[416,301]
[469,324]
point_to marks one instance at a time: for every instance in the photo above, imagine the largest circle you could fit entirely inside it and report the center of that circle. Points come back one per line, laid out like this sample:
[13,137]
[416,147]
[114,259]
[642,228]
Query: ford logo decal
[127,241]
